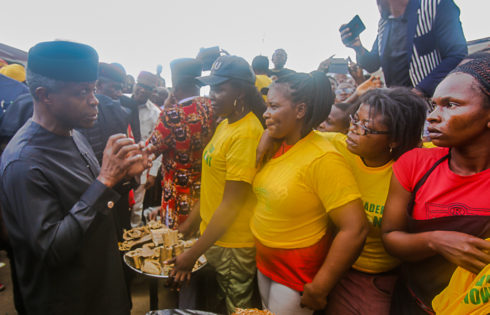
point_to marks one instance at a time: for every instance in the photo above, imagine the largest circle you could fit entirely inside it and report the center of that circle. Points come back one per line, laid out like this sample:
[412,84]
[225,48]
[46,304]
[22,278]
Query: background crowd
[358,188]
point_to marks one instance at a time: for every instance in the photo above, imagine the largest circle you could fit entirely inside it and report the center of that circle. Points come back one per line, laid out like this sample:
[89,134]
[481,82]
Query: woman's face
[223,98]
[337,121]
[281,116]
[368,146]
[459,116]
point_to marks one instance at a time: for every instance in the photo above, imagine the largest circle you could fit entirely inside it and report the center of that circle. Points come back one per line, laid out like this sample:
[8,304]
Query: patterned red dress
[182,132]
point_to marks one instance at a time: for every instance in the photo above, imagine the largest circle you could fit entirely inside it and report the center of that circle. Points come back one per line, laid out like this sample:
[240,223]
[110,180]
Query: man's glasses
[365,130]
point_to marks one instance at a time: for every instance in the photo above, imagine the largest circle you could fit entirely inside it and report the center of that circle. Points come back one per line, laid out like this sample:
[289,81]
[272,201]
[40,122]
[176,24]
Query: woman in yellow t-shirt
[387,124]
[228,169]
[299,195]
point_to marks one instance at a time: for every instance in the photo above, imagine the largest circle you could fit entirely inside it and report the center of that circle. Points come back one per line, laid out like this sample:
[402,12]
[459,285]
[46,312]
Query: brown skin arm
[461,249]
[234,197]
[353,228]
[373,82]
[266,148]
[191,224]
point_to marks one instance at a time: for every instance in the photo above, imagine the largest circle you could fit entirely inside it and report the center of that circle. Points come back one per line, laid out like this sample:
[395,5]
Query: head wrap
[479,69]
[64,61]
[112,72]
[14,71]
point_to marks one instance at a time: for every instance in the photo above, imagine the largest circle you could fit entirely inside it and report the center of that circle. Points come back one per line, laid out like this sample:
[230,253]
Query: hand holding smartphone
[351,31]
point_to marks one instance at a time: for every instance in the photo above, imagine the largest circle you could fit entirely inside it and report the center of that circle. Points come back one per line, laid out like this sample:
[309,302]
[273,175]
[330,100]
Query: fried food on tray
[135,233]
[152,267]
[156,244]
[251,311]
[127,245]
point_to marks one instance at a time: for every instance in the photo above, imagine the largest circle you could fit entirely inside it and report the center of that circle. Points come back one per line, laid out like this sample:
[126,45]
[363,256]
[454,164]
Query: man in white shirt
[148,118]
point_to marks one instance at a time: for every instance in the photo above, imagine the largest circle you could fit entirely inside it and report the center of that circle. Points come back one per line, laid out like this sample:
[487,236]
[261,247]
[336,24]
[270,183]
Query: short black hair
[260,64]
[404,114]
[35,80]
[315,91]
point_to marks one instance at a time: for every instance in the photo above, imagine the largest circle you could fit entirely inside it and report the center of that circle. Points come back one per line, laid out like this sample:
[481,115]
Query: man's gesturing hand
[120,154]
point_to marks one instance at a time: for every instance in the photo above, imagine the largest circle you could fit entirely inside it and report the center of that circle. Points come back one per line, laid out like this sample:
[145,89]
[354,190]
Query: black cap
[64,61]
[229,67]
[184,69]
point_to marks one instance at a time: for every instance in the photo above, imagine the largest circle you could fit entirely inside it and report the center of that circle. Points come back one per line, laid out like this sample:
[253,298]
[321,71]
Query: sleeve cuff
[101,197]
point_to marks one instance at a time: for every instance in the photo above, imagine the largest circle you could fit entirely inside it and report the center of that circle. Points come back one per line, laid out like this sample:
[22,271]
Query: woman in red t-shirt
[438,208]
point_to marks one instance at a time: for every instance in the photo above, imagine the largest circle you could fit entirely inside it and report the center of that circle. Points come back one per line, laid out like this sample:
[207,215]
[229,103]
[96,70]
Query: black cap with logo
[226,68]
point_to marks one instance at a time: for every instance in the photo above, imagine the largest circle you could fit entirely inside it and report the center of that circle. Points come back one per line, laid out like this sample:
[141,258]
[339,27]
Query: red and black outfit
[441,200]
[182,132]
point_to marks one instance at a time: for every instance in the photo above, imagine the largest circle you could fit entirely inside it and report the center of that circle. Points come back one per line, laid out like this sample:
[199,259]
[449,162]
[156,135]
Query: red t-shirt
[444,193]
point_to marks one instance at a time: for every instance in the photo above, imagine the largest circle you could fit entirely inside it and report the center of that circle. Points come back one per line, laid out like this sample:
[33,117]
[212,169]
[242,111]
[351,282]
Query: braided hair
[315,91]
[479,69]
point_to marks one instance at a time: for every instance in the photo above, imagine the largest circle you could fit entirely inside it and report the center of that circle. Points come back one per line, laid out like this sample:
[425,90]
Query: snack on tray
[251,311]
[158,235]
[128,244]
[156,245]
[154,225]
[170,238]
[135,233]
[152,267]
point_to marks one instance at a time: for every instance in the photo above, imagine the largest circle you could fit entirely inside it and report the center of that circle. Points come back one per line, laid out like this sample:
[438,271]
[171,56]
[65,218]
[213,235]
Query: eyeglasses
[365,130]
[344,90]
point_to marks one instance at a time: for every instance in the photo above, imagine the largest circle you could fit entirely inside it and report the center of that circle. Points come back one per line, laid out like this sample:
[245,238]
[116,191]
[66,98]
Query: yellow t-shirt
[428,145]
[466,293]
[296,191]
[230,155]
[262,81]
[373,183]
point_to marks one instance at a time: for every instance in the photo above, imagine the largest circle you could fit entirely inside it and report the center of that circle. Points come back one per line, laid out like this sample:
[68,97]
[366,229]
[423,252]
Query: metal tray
[128,263]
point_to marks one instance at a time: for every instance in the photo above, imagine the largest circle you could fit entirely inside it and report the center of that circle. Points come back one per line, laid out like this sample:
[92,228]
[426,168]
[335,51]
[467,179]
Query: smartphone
[338,65]
[356,27]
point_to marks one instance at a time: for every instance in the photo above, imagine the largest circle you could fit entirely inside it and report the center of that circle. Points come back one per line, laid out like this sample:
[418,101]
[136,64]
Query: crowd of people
[323,192]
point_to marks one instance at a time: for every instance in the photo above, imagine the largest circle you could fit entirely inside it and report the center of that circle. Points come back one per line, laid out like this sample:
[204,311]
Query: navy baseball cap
[226,68]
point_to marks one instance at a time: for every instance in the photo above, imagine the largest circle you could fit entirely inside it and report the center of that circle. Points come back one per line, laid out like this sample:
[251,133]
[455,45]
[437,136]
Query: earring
[234,104]
[391,149]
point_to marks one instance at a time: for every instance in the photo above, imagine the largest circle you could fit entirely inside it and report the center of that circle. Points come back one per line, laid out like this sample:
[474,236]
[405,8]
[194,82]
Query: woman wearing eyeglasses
[387,124]
[305,192]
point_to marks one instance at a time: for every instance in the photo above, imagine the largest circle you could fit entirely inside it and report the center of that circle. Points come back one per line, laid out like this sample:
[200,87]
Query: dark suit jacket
[435,42]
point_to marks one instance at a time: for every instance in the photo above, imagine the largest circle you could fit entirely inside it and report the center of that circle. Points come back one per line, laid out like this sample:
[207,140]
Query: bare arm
[462,249]
[353,228]
[234,196]
[191,224]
